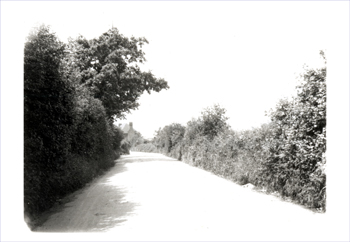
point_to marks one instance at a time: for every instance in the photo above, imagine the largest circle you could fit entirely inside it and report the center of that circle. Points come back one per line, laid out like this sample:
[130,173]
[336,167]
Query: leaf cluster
[108,67]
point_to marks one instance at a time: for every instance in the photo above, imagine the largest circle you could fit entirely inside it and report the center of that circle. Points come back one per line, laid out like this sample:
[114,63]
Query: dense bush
[169,139]
[48,118]
[288,155]
[296,167]
[93,135]
[69,109]
[213,121]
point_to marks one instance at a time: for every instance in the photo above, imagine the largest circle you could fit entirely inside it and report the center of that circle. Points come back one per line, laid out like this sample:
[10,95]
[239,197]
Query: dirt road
[153,197]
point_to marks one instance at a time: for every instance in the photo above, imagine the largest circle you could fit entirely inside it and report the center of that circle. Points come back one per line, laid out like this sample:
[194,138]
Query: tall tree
[108,66]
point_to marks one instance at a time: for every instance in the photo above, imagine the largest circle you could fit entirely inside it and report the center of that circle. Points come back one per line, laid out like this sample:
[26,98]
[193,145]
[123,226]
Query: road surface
[152,197]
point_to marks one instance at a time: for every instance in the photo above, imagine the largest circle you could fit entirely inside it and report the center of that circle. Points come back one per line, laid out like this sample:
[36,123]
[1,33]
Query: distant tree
[193,130]
[163,139]
[137,139]
[213,121]
[177,133]
[169,137]
[108,66]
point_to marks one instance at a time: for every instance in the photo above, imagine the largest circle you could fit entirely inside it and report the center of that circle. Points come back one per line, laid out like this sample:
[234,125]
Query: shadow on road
[114,207]
[102,204]
[98,206]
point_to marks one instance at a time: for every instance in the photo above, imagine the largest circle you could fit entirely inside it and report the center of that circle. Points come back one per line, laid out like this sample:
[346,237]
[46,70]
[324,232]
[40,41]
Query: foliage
[296,167]
[210,124]
[145,147]
[213,121]
[137,139]
[118,136]
[170,139]
[69,136]
[287,155]
[48,117]
[125,147]
[108,67]
[48,100]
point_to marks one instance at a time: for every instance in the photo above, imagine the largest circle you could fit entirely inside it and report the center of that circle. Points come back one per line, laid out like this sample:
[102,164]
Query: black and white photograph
[174,121]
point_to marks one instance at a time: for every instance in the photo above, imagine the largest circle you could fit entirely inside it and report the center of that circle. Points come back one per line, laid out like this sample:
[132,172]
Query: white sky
[244,56]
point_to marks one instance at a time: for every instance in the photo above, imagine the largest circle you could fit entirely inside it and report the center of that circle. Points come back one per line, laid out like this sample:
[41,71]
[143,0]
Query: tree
[136,139]
[213,121]
[71,94]
[177,133]
[108,66]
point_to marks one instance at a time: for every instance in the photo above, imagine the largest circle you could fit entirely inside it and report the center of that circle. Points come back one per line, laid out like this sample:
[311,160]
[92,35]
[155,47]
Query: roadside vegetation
[73,94]
[287,155]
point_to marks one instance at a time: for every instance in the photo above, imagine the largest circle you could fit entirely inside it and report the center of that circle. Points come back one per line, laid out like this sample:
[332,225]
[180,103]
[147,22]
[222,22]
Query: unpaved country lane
[153,197]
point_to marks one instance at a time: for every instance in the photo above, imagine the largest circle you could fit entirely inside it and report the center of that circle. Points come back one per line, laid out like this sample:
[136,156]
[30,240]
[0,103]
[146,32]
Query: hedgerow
[72,95]
[296,167]
[287,155]
[67,138]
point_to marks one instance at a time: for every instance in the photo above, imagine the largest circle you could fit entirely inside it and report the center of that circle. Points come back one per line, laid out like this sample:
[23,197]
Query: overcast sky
[244,56]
